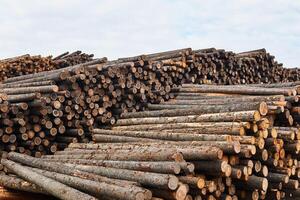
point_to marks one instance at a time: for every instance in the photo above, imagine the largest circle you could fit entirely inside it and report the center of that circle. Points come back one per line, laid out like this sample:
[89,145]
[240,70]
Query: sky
[120,28]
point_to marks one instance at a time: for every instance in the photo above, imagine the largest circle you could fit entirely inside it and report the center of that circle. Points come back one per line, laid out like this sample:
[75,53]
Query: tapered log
[208,131]
[16,183]
[255,182]
[13,85]
[213,166]
[183,146]
[24,90]
[219,127]
[166,154]
[276,177]
[51,186]
[115,138]
[163,135]
[239,90]
[159,167]
[291,184]
[162,110]
[215,117]
[197,182]
[145,178]
[97,189]
[23,97]
[261,107]
[62,169]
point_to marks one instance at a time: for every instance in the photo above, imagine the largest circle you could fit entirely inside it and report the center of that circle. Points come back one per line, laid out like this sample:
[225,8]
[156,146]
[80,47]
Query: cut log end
[173,183]
[182,191]
[263,108]
[201,183]
[264,185]
[140,196]
[256,116]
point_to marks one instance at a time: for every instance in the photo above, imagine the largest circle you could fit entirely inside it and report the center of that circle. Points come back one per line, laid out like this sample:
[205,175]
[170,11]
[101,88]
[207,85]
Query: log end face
[182,191]
[147,194]
[176,169]
[55,88]
[256,116]
[201,183]
[264,155]
[263,108]
[173,182]
[265,183]
[274,133]
[238,174]
[228,171]
[191,167]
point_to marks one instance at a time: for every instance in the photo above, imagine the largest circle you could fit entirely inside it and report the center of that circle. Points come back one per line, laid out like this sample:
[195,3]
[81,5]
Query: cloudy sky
[119,28]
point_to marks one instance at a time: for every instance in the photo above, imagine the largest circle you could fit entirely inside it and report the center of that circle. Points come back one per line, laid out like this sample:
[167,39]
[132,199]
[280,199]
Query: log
[51,186]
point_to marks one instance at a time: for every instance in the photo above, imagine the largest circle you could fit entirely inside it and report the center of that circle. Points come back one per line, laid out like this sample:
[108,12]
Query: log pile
[58,107]
[26,64]
[44,111]
[210,142]
[68,59]
[217,66]
[32,115]
[255,126]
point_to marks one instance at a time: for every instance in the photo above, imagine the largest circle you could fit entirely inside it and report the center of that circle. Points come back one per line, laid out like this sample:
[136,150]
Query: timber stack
[68,59]
[58,107]
[217,66]
[26,64]
[210,142]
[54,108]
[255,126]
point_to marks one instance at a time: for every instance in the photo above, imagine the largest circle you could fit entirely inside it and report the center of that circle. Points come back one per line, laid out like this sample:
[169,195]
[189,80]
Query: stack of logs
[27,64]
[58,107]
[68,59]
[217,66]
[44,111]
[210,142]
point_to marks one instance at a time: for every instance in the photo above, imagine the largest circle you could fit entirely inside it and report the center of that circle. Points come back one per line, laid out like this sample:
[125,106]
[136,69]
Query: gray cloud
[129,27]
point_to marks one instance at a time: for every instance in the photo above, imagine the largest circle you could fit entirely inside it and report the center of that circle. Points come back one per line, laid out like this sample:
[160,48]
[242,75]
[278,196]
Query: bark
[260,106]
[94,188]
[163,135]
[49,185]
[215,117]
[166,167]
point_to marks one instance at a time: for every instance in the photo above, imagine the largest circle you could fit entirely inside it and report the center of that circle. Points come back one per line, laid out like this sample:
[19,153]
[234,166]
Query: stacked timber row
[32,116]
[68,59]
[218,66]
[69,102]
[237,142]
[27,64]
[75,99]
[211,65]
[255,126]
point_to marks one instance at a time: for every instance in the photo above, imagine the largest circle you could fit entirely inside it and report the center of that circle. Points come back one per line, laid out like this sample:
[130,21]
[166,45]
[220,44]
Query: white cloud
[122,28]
